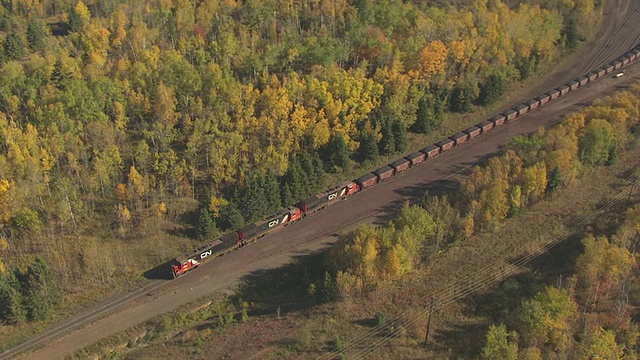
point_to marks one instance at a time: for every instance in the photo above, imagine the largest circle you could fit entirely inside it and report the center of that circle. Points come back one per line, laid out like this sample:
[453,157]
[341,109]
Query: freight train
[250,233]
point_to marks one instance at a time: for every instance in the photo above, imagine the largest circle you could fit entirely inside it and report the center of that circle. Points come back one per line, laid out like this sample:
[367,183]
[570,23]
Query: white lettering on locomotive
[333,196]
[274,223]
[206,253]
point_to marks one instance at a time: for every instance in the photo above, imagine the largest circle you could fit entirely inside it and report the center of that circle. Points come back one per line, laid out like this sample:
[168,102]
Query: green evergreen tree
[235,219]
[425,116]
[527,66]
[206,225]
[13,47]
[387,144]
[571,35]
[439,109]
[254,200]
[491,90]
[12,310]
[613,154]
[368,150]
[60,77]
[400,135]
[328,290]
[40,291]
[297,180]
[336,153]
[287,196]
[75,20]
[305,172]
[36,33]
[555,180]
[272,192]
[320,175]
[461,98]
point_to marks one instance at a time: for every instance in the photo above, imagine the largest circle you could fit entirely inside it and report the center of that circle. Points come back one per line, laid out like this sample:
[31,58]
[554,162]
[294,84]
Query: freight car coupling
[250,233]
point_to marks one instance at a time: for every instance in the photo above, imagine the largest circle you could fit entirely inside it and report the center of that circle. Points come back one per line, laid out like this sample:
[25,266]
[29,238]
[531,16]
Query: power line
[476,281]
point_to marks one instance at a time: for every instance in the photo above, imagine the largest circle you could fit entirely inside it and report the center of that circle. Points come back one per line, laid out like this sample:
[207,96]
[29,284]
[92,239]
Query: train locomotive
[250,233]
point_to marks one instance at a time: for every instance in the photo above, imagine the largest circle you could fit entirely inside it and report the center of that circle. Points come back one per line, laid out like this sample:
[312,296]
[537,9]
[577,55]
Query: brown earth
[618,33]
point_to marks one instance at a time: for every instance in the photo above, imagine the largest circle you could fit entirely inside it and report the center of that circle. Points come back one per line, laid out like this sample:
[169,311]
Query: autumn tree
[547,319]
[596,143]
[432,59]
[162,131]
[602,345]
[600,270]
[500,344]
[79,16]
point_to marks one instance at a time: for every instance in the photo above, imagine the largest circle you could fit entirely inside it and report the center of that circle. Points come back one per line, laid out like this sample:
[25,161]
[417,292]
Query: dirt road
[619,33]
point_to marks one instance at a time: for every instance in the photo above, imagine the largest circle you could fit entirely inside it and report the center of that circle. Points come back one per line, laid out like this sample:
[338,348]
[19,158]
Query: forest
[132,130]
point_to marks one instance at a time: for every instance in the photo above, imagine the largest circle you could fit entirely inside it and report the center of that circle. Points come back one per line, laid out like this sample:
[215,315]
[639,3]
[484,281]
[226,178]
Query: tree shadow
[501,303]
[285,288]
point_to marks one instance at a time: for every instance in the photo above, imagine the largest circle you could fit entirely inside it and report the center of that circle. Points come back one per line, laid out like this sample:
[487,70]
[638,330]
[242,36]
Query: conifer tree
[235,219]
[368,150]
[254,201]
[272,192]
[13,47]
[425,116]
[336,153]
[400,136]
[555,180]
[12,310]
[387,144]
[36,34]
[493,87]
[320,175]
[40,291]
[287,196]
[206,226]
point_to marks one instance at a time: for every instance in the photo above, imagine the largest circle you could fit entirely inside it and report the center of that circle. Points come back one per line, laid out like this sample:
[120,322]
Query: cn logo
[274,223]
[333,196]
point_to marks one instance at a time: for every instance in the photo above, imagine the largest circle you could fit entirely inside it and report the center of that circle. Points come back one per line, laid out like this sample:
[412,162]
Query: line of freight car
[320,201]
[243,236]
[521,109]
[234,240]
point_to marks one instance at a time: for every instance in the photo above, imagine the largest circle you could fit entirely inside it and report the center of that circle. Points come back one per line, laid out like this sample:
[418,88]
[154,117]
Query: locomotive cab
[181,265]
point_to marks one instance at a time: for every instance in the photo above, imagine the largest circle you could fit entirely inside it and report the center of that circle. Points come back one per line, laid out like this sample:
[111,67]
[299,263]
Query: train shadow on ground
[160,272]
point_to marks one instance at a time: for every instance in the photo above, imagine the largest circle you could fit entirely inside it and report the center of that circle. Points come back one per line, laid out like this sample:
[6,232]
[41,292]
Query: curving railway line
[616,36]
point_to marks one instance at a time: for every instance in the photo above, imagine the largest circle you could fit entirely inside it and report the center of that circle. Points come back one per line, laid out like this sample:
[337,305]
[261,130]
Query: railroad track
[75,323]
